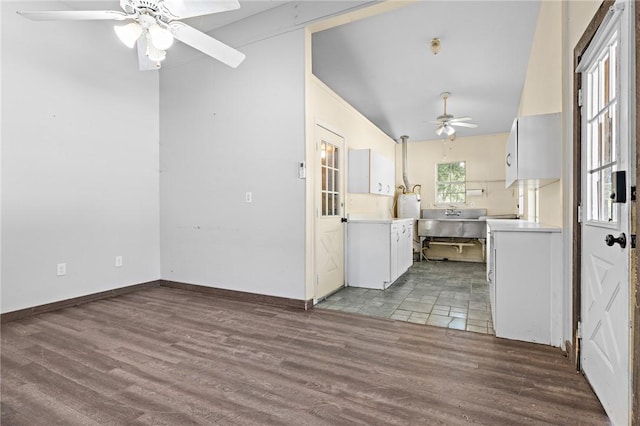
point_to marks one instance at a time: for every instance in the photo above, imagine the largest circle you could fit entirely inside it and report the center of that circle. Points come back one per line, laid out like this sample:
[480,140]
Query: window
[602,134]
[330,179]
[451,185]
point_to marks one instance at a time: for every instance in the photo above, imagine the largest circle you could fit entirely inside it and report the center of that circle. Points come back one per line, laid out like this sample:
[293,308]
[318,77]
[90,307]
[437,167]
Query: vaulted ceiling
[383,66]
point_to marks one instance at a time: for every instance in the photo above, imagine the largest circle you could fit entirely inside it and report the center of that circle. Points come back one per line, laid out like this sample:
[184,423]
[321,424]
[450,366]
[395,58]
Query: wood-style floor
[173,357]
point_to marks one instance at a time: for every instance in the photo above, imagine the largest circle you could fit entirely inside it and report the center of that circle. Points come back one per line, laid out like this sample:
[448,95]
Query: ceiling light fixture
[435,46]
[161,38]
[128,34]
[446,129]
[158,39]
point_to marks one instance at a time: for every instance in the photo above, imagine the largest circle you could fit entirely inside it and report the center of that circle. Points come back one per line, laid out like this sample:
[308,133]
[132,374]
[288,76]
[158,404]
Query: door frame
[573,347]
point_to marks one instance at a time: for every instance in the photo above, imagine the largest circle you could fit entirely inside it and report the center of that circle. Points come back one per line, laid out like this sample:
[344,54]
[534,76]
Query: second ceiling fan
[446,122]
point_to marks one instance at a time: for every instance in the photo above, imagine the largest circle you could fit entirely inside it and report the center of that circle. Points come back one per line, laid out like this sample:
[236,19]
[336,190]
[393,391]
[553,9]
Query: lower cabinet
[524,282]
[378,252]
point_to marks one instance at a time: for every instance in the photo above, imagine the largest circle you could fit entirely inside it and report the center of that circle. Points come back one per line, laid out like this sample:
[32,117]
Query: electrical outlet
[118,261]
[247,197]
[61,269]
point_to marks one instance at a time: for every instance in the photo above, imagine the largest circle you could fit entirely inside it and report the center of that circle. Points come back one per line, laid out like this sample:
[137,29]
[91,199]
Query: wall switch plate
[61,269]
[248,197]
[118,261]
[302,170]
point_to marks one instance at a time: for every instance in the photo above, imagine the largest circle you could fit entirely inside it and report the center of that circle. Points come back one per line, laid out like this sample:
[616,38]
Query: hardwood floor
[174,357]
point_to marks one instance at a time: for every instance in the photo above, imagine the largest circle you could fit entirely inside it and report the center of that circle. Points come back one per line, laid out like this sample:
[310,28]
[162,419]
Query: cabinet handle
[388,189]
[379,187]
[508,162]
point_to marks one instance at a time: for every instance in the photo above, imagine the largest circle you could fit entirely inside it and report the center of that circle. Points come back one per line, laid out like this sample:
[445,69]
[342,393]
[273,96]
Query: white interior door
[605,314]
[329,212]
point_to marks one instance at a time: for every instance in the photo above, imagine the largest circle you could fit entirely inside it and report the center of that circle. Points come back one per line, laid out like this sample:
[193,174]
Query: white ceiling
[383,66]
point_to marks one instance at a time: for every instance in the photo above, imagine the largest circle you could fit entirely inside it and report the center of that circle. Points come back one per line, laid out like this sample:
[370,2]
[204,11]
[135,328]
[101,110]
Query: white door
[605,279]
[329,212]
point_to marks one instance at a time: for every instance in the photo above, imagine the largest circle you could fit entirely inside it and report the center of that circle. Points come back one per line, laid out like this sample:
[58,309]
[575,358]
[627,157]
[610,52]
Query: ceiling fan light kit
[155,26]
[160,38]
[128,34]
[445,122]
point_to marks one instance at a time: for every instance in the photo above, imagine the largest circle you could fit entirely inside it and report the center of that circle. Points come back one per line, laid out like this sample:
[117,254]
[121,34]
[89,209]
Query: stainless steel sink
[454,223]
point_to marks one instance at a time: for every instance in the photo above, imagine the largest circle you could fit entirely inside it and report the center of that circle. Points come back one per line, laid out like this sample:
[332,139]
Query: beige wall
[485,170]
[330,110]
[577,15]
[484,156]
[542,94]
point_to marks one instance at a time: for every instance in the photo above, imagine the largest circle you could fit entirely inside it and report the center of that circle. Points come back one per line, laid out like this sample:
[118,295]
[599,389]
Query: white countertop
[372,219]
[516,225]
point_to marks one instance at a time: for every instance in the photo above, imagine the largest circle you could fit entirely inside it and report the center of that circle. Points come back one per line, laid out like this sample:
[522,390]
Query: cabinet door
[407,246]
[538,147]
[382,175]
[368,255]
[393,258]
[359,165]
[522,286]
[511,156]
[389,177]
[376,177]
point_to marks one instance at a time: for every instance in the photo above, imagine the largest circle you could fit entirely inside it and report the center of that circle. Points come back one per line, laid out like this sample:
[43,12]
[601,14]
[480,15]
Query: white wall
[79,160]
[225,132]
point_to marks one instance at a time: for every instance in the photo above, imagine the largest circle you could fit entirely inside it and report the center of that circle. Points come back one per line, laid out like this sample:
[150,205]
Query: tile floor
[443,294]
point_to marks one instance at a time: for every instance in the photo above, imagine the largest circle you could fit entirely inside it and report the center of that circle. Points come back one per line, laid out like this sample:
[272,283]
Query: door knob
[611,240]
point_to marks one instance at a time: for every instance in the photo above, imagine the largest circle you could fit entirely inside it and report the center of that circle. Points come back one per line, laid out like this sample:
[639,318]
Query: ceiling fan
[153,25]
[445,122]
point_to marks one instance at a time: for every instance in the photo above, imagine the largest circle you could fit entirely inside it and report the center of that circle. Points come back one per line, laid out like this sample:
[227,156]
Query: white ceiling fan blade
[460,119]
[212,47]
[74,15]
[439,130]
[144,63]
[181,9]
[472,125]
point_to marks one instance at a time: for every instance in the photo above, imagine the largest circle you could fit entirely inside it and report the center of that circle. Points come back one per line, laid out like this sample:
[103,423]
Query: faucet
[452,212]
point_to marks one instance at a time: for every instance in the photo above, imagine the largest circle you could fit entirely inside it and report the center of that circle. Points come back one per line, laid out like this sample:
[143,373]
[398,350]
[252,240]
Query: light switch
[247,197]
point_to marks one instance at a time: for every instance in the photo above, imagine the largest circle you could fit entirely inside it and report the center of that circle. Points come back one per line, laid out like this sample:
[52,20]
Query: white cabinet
[370,173]
[533,150]
[525,288]
[378,252]
[405,249]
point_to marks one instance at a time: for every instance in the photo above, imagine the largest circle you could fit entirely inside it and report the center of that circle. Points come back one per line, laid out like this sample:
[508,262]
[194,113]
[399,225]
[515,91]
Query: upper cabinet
[533,150]
[371,173]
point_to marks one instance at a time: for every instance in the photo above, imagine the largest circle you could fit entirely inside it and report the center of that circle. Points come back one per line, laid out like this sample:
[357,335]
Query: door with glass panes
[605,279]
[329,204]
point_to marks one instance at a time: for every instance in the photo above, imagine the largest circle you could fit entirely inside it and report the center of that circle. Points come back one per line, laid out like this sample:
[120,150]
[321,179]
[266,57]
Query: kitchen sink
[453,223]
